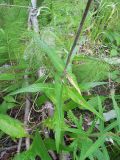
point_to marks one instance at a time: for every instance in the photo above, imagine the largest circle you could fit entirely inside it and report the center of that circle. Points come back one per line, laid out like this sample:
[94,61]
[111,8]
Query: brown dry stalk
[78,32]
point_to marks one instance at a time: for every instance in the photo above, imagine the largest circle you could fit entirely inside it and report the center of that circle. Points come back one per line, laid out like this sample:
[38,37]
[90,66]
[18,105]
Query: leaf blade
[12,127]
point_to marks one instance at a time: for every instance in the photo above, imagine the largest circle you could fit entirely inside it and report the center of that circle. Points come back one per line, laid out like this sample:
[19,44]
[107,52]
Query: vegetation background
[46,113]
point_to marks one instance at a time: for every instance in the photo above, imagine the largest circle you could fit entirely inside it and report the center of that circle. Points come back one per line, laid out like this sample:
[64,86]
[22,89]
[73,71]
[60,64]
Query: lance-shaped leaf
[34,88]
[76,97]
[117,109]
[59,115]
[12,127]
[37,148]
[93,148]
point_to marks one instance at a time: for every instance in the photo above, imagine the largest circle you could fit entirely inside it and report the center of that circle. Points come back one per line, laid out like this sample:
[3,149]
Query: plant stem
[78,33]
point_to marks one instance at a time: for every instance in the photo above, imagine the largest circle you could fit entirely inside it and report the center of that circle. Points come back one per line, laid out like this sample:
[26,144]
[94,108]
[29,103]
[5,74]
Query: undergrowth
[80,98]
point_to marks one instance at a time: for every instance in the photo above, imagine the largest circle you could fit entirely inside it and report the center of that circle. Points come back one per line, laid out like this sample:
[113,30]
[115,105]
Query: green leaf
[50,144]
[105,152]
[7,77]
[90,69]
[11,126]
[74,119]
[116,138]
[72,79]
[59,114]
[76,97]
[34,88]
[117,109]
[37,148]
[111,126]
[86,144]
[52,54]
[70,105]
[101,126]
[99,155]
[9,99]
[89,85]
[5,106]
[94,147]
[113,52]
[93,101]
[78,131]
[3,49]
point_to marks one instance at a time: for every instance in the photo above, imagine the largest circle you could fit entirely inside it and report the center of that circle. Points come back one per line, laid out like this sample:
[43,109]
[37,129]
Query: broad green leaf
[12,127]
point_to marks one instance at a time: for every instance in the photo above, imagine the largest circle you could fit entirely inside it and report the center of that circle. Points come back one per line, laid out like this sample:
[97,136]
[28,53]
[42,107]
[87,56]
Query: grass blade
[59,111]
[76,97]
[94,147]
[117,109]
